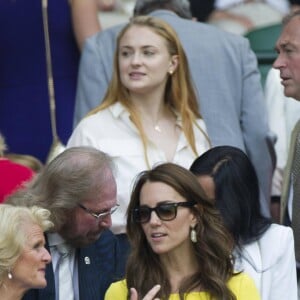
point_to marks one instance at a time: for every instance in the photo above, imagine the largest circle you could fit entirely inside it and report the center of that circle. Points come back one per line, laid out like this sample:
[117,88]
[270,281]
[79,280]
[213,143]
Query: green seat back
[262,41]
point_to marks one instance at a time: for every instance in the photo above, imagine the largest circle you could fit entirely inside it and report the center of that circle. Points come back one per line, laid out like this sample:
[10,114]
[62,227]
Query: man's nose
[105,222]
[278,63]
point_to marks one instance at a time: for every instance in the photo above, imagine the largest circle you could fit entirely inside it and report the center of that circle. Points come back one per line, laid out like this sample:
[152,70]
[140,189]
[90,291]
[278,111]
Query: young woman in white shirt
[149,114]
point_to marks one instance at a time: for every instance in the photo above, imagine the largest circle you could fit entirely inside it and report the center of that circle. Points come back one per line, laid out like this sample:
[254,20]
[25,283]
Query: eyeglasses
[165,211]
[99,215]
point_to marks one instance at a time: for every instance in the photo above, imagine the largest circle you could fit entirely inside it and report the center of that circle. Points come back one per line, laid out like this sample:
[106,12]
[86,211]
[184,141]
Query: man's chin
[93,238]
[291,93]
[85,241]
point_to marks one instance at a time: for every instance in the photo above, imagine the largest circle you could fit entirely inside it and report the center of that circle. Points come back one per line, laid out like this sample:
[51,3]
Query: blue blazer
[94,278]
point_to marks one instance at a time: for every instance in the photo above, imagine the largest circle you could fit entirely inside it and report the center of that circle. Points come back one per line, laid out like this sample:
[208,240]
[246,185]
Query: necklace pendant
[157,128]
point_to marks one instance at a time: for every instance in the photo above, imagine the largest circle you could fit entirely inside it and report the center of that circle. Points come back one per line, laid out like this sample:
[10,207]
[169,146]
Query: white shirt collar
[55,239]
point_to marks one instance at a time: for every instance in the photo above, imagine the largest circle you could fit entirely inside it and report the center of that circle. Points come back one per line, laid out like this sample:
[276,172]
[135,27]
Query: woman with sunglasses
[177,241]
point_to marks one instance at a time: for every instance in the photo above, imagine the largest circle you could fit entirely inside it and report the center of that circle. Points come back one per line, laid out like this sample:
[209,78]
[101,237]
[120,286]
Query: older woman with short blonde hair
[23,256]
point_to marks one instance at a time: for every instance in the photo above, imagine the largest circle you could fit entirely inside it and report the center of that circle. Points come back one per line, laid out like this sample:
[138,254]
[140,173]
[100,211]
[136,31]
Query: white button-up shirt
[112,132]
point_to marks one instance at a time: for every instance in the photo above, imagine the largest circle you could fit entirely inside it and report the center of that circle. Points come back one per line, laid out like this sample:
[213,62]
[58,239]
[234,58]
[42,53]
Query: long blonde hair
[180,94]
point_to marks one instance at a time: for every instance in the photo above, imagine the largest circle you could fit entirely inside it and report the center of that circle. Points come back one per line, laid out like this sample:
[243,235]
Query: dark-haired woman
[178,241]
[263,250]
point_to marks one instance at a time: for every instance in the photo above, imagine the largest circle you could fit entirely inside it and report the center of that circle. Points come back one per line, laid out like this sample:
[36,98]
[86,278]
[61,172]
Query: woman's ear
[194,220]
[173,63]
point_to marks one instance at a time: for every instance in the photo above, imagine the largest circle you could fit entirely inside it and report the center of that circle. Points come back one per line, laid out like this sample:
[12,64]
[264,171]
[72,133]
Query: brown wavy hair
[212,250]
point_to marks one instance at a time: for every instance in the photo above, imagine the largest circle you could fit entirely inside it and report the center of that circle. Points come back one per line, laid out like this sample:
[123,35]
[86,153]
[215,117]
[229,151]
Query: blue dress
[24,102]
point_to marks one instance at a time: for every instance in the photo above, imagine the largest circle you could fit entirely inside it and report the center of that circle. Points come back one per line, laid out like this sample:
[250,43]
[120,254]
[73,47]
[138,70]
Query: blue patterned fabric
[24,104]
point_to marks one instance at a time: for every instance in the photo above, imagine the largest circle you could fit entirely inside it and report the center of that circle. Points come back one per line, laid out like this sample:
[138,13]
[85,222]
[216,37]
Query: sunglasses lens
[141,214]
[166,212]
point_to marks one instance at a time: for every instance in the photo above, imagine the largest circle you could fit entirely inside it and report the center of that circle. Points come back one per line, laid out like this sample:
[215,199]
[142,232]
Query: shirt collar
[160,12]
[54,239]
[117,109]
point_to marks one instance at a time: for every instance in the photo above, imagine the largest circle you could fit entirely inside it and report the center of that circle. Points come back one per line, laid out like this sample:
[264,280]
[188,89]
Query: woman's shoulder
[276,243]
[114,110]
[239,278]
[240,284]
[277,232]
[200,122]
[93,116]
[117,290]
[104,116]
[201,135]
[243,286]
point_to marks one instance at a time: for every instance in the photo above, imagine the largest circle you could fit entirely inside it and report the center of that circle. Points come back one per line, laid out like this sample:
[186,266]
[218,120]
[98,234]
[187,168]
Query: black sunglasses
[165,211]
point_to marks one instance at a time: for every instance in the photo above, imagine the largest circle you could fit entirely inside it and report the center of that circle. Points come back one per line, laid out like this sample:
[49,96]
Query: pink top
[12,176]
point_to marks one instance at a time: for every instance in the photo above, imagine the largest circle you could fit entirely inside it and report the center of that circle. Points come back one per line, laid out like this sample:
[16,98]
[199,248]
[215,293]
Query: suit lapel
[89,276]
[287,173]
[98,267]
[253,257]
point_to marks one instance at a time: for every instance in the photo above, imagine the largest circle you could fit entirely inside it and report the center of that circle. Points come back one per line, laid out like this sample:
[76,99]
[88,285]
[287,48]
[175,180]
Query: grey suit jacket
[286,187]
[225,74]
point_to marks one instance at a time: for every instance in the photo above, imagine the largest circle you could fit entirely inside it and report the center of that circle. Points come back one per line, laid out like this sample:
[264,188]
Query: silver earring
[171,72]
[9,275]
[193,235]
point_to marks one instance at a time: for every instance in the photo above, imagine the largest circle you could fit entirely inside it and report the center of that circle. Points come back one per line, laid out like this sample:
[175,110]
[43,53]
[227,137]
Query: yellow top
[241,285]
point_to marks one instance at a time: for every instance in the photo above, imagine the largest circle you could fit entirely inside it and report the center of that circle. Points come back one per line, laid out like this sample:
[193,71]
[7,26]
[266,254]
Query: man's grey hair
[180,7]
[290,16]
[74,175]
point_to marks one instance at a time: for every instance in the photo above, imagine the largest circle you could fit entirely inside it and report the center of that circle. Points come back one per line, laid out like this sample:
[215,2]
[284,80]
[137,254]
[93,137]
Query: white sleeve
[284,279]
